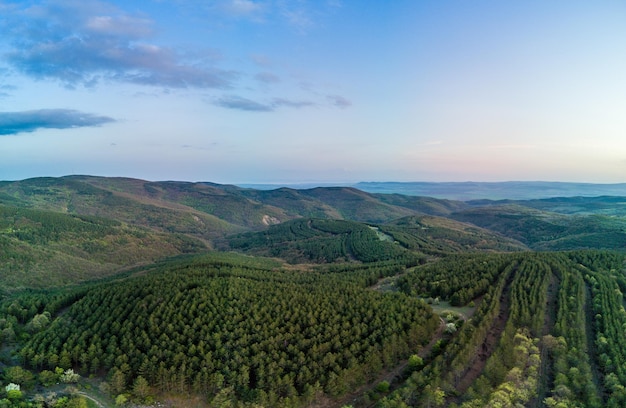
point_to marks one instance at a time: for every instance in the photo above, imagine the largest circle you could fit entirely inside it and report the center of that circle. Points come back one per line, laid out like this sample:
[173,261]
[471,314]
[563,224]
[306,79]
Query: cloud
[85,42]
[239,103]
[300,15]
[244,104]
[261,60]
[4,88]
[339,101]
[28,121]
[242,8]
[299,19]
[291,104]
[267,78]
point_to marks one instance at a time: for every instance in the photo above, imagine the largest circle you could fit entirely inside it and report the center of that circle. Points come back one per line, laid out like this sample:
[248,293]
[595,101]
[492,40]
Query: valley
[173,292]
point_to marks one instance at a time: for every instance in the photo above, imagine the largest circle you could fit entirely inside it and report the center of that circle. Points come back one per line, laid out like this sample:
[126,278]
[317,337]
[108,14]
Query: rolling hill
[542,230]
[41,248]
[148,220]
[334,297]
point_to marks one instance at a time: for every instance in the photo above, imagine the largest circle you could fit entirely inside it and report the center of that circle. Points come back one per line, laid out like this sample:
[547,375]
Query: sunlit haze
[280,91]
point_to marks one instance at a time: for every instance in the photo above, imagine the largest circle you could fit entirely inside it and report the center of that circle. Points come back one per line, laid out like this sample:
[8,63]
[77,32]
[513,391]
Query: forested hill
[80,227]
[222,208]
[207,295]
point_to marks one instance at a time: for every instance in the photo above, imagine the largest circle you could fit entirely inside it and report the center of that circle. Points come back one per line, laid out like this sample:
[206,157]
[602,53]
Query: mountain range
[470,190]
[93,226]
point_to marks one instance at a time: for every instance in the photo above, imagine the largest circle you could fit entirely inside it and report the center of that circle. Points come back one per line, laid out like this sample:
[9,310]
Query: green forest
[119,292]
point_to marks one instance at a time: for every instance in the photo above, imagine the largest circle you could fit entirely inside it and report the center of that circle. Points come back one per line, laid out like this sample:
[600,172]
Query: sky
[314,91]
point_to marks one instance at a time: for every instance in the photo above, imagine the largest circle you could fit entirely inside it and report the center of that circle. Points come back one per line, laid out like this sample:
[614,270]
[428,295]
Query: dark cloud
[84,42]
[339,101]
[239,103]
[28,121]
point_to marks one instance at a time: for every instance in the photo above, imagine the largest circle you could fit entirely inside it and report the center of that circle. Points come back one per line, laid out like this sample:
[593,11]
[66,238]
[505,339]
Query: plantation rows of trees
[511,372]
[424,235]
[573,384]
[267,337]
[451,357]
[528,349]
[459,278]
[610,339]
[320,241]
[547,329]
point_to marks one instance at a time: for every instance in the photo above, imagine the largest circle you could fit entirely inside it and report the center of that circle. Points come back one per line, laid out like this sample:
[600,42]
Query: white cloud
[242,7]
[83,43]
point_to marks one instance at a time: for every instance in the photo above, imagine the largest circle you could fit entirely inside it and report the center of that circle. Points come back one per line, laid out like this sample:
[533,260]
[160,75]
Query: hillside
[601,205]
[45,248]
[270,337]
[542,335]
[323,241]
[320,241]
[439,235]
[158,219]
[334,297]
[222,208]
[542,230]
[125,200]
[227,329]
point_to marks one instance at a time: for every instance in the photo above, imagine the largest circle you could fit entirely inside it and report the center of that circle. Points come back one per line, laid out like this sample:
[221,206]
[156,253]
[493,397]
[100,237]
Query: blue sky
[288,91]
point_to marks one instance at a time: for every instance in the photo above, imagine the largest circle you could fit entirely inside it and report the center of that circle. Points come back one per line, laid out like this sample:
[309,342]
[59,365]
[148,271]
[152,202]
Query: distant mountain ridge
[512,190]
[470,190]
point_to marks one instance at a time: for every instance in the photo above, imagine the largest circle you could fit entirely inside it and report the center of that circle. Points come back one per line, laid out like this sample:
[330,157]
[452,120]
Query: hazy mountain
[514,190]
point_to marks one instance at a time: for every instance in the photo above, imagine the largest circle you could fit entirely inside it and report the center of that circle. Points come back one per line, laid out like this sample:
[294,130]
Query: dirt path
[99,403]
[485,350]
